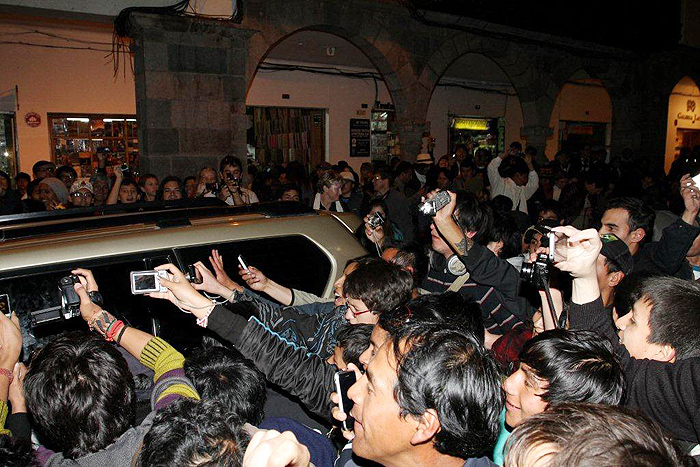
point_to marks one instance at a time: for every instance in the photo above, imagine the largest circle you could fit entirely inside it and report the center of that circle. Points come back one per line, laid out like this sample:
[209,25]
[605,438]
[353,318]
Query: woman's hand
[217,263]
[255,279]
[210,284]
[180,292]
[374,235]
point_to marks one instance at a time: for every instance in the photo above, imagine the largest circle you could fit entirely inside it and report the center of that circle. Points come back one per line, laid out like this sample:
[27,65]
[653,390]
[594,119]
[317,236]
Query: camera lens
[527,271]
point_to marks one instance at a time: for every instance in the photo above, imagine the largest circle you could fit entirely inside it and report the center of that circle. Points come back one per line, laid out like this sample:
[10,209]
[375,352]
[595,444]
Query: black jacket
[667,256]
[669,393]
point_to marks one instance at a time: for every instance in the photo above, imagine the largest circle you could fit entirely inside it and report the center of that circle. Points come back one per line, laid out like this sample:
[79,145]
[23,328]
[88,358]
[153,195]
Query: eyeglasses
[356,313]
[81,195]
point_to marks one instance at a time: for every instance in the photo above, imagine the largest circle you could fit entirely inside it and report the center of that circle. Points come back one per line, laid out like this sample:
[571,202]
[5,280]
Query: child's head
[664,321]
[352,340]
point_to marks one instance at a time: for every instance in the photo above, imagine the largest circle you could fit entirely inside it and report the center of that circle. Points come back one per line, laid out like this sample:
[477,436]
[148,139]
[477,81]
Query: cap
[617,251]
[424,158]
[347,176]
[81,184]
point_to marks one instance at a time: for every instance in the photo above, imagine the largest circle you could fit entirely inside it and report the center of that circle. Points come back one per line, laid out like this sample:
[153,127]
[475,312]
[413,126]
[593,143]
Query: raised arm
[114,192]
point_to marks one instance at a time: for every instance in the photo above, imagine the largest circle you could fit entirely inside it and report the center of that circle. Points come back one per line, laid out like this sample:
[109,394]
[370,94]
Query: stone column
[411,138]
[190,92]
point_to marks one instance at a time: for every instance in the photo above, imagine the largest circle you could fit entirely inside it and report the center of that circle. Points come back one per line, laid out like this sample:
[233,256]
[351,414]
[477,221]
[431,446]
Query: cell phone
[242,263]
[552,238]
[5,305]
[143,282]
[343,381]
[696,179]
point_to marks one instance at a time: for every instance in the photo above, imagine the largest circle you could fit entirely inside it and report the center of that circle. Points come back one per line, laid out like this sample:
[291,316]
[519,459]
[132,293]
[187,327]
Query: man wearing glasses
[81,193]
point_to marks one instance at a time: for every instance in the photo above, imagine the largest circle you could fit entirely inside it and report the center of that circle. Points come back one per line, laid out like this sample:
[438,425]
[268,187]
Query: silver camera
[376,220]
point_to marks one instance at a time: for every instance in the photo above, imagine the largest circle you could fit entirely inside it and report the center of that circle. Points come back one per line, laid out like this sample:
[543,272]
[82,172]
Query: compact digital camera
[376,220]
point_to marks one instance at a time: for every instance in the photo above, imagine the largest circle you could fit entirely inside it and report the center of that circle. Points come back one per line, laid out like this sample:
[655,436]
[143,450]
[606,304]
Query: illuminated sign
[470,124]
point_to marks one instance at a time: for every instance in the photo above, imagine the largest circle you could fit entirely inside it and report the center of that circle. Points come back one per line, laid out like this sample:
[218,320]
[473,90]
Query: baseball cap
[617,251]
[81,184]
[347,176]
[424,158]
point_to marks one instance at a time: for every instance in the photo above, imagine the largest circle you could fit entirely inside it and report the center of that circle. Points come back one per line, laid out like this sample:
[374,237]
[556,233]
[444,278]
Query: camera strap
[458,283]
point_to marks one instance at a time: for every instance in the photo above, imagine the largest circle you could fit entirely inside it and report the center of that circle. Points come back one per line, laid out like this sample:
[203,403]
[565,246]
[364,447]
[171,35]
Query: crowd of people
[547,313]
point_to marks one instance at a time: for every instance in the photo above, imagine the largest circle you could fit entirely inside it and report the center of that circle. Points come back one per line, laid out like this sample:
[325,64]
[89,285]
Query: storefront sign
[32,119]
[689,113]
[359,137]
[470,124]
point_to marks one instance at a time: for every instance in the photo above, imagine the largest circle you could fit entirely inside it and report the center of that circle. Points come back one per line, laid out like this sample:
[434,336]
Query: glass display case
[81,140]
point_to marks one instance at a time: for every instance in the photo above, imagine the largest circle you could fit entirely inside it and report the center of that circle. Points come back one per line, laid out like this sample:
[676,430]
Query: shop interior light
[470,124]
[7,154]
[130,119]
[73,119]
[108,120]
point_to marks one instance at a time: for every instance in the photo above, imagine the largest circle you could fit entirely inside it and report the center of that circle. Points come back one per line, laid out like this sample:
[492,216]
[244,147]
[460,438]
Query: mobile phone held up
[343,381]
[5,305]
[242,263]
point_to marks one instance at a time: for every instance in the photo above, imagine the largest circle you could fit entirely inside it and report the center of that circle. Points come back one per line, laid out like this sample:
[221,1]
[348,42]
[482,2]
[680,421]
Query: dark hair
[640,215]
[504,229]
[230,160]
[14,452]
[502,203]
[144,177]
[188,178]
[530,150]
[353,339]
[22,176]
[65,169]
[327,179]
[598,178]
[168,179]
[473,216]
[80,394]
[578,435]
[516,145]
[285,188]
[413,257]
[449,308]
[578,366]
[224,375]
[190,432]
[674,317]
[4,175]
[626,292]
[129,181]
[402,167]
[552,206]
[37,166]
[447,172]
[448,370]
[380,285]
[384,172]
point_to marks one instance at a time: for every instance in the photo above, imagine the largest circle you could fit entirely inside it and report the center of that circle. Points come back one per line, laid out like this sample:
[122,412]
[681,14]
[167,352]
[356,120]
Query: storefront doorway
[477,132]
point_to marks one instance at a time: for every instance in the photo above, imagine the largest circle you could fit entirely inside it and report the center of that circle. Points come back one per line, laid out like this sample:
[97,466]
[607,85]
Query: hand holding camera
[10,342]
[180,292]
[207,282]
[583,248]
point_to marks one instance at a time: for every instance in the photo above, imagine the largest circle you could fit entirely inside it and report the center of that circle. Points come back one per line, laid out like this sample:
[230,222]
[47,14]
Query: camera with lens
[70,301]
[376,220]
[431,206]
[193,276]
[537,273]
[124,168]
[232,180]
[212,187]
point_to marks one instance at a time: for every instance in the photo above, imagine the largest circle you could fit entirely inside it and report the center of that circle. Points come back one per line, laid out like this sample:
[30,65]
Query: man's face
[547,215]
[634,331]
[438,244]
[616,221]
[359,313]
[208,176]
[338,285]
[191,188]
[231,171]
[366,173]
[332,192]
[128,194]
[376,340]
[523,389]
[82,198]
[381,433]
[535,243]
[171,191]
[443,182]
[561,182]
[150,186]
[22,185]
[380,184]
[45,170]
[67,178]
[4,183]
[101,189]
[520,179]
[290,195]
[602,272]
[45,193]
[347,188]
[460,154]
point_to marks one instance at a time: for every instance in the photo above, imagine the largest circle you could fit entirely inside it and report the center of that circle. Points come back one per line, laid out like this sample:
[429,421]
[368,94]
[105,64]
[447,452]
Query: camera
[376,220]
[212,187]
[143,282]
[70,301]
[231,179]
[431,206]
[193,276]
[5,305]
[537,273]
[124,168]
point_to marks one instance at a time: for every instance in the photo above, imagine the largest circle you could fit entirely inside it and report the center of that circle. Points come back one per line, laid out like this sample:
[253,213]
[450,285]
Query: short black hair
[65,168]
[224,375]
[579,435]
[22,176]
[380,285]
[674,318]
[449,370]
[353,339]
[14,452]
[170,178]
[448,308]
[230,160]
[578,366]
[384,172]
[552,206]
[474,216]
[504,229]
[640,214]
[189,432]
[414,256]
[38,165]
[516,145]
[80,394]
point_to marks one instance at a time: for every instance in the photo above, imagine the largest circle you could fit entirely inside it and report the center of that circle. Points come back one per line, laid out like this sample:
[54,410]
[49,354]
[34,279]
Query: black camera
[212,187]
[70,301]
[376,220]
[537,273]
[124,168]
[193,276]
[231,179]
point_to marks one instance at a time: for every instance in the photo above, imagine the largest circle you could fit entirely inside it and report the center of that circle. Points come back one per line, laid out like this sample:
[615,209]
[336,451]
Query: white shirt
[507,187]
[247,195]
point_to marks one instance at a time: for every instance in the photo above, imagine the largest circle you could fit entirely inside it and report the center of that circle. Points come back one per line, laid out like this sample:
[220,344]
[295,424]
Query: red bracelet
[113,330]
[7,373]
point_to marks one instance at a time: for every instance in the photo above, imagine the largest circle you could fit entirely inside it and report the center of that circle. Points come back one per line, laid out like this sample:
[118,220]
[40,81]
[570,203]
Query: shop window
[477,133]
[79,140]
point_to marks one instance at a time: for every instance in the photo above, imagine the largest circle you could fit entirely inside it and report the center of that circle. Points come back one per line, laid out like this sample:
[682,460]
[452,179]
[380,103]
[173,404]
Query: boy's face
[523,395]
[359,313]
[634,331]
